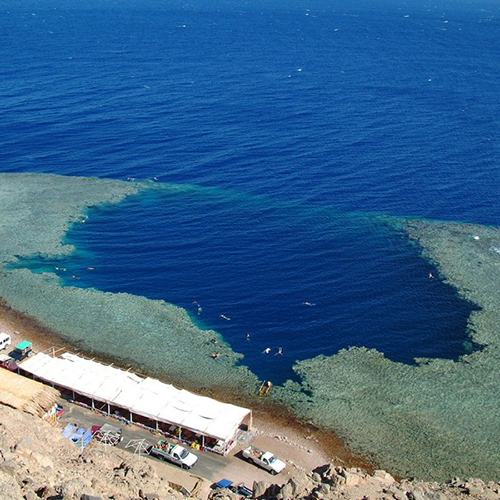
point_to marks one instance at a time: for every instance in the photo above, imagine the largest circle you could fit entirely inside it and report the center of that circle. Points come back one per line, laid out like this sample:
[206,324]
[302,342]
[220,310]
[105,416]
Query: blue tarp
[69,430]
[78,435]
[224,483]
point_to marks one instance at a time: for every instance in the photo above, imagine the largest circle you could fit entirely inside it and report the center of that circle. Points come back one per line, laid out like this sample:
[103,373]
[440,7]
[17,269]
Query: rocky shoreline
[36,462]
[354,484]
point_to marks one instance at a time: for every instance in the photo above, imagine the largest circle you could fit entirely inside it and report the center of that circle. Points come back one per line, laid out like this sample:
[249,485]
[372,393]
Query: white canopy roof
[143,396]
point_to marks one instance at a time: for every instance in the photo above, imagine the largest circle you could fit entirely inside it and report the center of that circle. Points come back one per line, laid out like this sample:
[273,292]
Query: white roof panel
[147,397]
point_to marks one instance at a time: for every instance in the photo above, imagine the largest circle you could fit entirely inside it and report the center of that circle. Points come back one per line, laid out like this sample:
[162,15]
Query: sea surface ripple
[284,121]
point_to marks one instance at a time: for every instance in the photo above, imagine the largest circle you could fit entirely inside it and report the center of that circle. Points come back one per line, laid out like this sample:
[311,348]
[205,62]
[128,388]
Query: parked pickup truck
[173,453]
[264,459]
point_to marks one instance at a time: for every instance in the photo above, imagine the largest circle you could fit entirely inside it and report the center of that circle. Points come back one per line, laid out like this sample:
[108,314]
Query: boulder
[324,489]
[300,483]
[474,490]
[351,479]
[416,495]
[30,495]
[286,491]
[74,488]
[260,489]
[46,491]
[9,488]
[9,468]
[384,477]
[28,449]
[397,493]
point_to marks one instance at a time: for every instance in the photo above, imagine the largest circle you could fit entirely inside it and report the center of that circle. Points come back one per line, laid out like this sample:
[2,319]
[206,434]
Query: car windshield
[184,453]
[272,460]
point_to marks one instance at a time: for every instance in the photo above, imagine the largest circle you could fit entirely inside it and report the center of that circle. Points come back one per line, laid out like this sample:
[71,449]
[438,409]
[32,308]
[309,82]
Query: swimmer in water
[280,351]
[248,336]
[91,268]
[431,275]
[215,355]
[267,350]
[200,309]
[225,317]
[310,304]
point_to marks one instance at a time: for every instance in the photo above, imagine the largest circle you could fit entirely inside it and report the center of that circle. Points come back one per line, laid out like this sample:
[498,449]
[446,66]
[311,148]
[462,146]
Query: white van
[5,340]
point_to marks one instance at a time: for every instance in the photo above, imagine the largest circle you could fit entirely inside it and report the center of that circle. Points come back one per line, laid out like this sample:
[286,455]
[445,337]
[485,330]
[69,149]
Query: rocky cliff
[331,483]
[37,462]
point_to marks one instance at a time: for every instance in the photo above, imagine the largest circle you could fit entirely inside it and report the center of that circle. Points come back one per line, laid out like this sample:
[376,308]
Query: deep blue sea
[292,125]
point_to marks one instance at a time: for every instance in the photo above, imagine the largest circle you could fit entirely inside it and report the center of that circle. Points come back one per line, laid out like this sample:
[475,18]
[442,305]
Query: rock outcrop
[330,483]
[37,462]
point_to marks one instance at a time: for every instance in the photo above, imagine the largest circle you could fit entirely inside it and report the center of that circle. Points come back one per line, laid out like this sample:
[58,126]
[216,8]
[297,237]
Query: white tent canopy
[147,397]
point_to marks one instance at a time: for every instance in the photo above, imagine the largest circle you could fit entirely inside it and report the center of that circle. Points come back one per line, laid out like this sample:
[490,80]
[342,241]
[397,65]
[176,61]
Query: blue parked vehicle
[240,488]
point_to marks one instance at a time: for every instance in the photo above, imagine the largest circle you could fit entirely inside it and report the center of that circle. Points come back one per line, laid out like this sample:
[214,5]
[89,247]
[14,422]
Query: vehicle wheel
[184,466]
[273,472]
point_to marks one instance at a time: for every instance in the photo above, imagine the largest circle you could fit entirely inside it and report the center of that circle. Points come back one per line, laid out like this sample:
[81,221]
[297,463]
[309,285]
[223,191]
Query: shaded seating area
[194,420]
